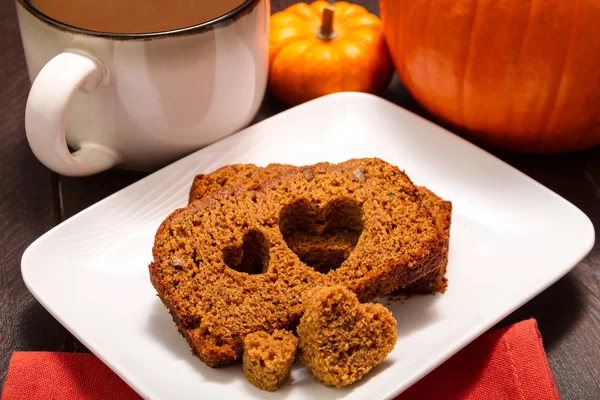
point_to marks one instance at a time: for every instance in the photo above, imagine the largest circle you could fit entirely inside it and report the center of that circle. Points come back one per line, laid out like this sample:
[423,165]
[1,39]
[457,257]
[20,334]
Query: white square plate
[510,239]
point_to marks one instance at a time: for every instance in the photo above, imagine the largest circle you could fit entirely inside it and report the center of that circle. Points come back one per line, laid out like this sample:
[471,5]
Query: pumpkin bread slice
[224,270]
[321,254]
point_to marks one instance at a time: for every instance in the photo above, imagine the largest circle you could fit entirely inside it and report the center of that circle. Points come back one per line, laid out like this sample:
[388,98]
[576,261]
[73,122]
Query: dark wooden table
[33,200]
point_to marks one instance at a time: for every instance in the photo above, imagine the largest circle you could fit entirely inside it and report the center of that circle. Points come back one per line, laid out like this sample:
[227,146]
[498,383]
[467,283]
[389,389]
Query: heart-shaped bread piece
[340,339]
[268,359]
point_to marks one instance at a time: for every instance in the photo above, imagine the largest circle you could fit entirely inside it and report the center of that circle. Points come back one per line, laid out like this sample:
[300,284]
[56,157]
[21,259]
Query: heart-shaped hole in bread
[252,257]
[322,237]
[340,339]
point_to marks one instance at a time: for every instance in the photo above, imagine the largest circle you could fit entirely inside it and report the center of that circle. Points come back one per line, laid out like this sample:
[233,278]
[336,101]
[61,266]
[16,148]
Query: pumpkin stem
[326,32]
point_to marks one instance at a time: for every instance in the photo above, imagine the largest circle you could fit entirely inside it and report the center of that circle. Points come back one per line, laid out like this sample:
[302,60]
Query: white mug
[140,101]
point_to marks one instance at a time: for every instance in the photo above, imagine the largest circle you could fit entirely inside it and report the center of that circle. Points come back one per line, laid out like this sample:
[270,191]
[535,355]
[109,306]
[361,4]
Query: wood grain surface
[33,200]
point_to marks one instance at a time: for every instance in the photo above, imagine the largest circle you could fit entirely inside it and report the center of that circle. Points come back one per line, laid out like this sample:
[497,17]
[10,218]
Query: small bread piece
[268,359]
[340,340]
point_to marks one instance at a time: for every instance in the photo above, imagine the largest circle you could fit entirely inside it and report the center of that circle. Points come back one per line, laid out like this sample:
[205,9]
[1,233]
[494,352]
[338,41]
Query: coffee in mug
[139,83]
[134,16]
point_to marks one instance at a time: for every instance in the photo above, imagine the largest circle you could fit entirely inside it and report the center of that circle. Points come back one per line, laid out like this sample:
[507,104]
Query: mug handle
[46,114]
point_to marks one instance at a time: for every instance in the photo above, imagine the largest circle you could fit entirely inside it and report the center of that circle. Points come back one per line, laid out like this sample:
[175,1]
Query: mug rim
[146,35]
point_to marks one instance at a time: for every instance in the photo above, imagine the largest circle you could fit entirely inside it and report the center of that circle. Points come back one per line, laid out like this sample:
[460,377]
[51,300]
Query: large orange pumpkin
[515,74]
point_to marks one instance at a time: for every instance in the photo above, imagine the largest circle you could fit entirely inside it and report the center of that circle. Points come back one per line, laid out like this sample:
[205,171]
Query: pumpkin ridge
[323,89]
[427,34]
[467,63]
[362,22]
[345,57]
[298,33]
[309,44]
[511,120]
[285,19]
[302,54]
[400,35]
[282,43]
[298,7]
[342,9]
[353,10]
[548,122]
[318,6]
[343,42]
[359,38]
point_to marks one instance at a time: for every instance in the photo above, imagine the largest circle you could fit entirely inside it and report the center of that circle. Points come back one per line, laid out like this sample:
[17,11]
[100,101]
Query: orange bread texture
[223,267]
[340,340]
[250,176]
[268,359]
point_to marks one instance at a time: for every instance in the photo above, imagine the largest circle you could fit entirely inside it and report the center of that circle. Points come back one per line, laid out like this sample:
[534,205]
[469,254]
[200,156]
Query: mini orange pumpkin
[324,48]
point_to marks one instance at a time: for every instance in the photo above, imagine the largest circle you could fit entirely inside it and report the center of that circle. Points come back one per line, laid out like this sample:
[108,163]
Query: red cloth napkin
[506,364]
